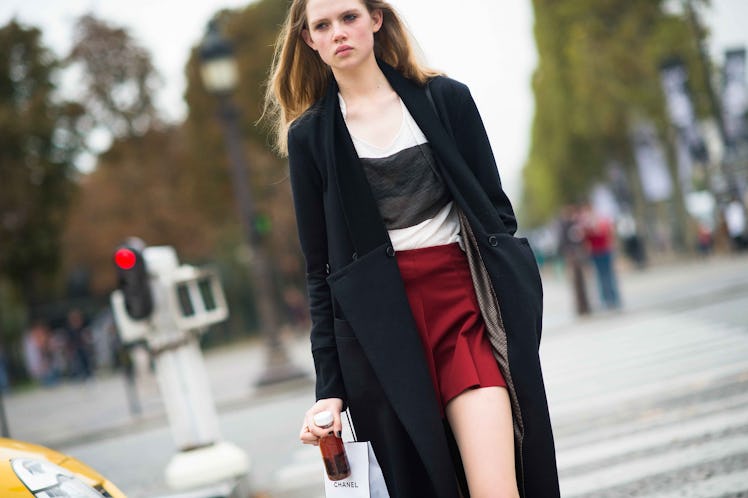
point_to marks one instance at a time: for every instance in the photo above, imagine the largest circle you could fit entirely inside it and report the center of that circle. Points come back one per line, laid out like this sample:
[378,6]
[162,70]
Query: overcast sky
[487,44]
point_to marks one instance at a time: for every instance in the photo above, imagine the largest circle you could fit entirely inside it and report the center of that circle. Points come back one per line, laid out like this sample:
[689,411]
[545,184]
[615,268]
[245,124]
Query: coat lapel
[360,209]
[361,212]
[455,171]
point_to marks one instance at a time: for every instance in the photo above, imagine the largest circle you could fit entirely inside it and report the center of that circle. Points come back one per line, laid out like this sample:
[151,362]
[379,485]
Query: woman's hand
[310,433]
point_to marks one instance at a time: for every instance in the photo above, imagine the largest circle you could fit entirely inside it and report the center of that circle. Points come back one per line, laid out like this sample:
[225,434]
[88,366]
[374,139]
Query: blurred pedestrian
[735,221]
[633,246]
[79,344]
[704,238]
[600,238]
[4,379]
[36,353]
[398,198]
[572,249]
[58,353]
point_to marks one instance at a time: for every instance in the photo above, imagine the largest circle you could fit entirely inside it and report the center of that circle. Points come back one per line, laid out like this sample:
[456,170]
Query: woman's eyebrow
[317,21]
[349,11]
[342,14]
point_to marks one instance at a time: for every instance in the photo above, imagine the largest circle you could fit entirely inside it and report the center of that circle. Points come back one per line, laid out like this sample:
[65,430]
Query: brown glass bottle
[332,449]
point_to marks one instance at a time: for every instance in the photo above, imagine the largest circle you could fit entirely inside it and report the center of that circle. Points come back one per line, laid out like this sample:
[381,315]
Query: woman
[401,219]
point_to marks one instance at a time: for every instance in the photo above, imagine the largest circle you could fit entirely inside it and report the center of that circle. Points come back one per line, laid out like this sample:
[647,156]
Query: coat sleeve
[307,188]
[472,142]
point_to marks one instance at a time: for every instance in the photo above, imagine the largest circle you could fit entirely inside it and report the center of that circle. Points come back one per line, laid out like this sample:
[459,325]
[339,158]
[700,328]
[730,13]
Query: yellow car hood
[11,487]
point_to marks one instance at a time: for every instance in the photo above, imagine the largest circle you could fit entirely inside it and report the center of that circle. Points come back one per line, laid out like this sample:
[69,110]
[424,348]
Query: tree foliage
[171,185]
[119,79]
[597,74]
[167,184]
[38,144]
[139,188]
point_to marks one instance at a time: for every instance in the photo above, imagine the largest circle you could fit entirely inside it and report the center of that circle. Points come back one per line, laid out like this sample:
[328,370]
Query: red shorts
[442,298]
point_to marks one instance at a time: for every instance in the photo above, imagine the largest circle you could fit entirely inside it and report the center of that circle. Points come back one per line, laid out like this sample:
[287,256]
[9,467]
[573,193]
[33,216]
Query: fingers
[307,437]
[337,425]
[310,432]
[319,431]
[334,406]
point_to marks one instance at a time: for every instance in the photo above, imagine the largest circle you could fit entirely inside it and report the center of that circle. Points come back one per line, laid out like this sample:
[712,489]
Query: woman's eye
[320,26]
[349,17]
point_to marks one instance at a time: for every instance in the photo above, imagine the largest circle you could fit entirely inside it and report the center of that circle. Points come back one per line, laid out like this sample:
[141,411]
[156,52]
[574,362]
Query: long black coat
[365,343]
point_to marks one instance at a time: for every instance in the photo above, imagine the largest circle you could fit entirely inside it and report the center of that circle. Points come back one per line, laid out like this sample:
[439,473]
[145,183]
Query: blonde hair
[299,77]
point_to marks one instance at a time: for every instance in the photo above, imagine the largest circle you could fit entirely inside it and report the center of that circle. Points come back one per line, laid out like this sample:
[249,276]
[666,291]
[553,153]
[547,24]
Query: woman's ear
[307,38]
[377,17]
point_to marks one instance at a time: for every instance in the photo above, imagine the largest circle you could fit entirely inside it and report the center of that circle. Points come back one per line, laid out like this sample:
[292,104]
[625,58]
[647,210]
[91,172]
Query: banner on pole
[680,108]
[651,162]
[734,95]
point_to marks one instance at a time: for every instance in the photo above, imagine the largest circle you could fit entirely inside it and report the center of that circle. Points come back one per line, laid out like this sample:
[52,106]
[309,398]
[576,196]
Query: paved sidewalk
[676,285]
[77,412]
[74,412]
[92,421]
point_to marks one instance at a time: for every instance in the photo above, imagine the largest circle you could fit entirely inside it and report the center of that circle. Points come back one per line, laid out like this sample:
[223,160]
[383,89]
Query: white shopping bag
[366,479]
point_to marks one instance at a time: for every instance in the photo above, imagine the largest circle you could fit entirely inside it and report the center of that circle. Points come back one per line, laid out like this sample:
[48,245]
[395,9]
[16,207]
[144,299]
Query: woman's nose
[338,33]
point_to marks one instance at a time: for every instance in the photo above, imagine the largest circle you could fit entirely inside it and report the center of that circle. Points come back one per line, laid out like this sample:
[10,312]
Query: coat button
[493,240]
[354,256]
[390,251]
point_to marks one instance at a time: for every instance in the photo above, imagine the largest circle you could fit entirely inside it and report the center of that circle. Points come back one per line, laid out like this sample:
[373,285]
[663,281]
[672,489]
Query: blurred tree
[139,188]
[38,144]
[597,74]
[119,79]
[170,184]
[131,190]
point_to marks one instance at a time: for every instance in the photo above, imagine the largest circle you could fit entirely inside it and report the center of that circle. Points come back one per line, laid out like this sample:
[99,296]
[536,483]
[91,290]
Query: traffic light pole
[183,301]
[278,367]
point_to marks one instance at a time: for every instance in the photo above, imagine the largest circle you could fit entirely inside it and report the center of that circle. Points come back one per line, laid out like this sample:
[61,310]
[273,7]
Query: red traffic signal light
[125,258]
[133,281]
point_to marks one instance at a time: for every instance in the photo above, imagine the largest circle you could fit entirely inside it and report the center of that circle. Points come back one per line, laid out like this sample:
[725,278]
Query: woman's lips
[343,49]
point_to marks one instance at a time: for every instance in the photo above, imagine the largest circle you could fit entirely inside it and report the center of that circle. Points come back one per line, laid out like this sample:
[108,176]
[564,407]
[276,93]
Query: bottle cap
[323,419]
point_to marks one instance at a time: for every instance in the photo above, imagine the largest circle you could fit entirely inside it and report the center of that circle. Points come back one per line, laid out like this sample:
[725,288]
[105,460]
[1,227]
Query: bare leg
[481,420]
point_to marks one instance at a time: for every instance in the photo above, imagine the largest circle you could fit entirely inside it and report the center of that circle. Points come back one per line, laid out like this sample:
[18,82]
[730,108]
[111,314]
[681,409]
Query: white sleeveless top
[413,201]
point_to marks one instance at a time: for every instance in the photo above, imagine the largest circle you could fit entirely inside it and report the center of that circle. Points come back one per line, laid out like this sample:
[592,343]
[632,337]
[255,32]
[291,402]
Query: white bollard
[185,301]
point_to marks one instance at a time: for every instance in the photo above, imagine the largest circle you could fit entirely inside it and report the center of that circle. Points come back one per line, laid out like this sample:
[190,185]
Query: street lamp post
[220,77]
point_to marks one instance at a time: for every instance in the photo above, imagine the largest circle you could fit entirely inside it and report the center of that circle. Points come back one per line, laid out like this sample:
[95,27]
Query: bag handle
[350,425]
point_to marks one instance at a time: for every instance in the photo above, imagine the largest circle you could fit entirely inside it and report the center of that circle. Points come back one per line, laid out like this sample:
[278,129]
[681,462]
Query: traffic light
[132,279]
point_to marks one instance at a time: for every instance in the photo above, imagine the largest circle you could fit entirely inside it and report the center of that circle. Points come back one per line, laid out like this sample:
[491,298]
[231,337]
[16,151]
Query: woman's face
[341,31]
